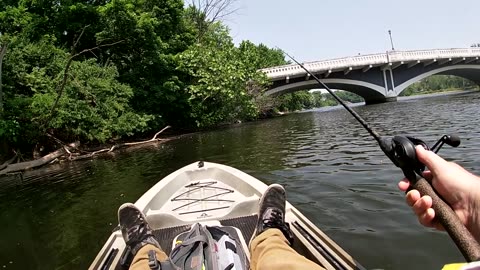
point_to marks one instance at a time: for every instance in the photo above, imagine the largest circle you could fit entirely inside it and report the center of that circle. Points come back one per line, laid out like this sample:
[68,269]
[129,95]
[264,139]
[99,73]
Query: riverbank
[70,154]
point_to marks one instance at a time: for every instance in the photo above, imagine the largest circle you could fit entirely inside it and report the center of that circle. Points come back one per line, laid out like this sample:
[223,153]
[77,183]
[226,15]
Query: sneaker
[271,214]
[135,230]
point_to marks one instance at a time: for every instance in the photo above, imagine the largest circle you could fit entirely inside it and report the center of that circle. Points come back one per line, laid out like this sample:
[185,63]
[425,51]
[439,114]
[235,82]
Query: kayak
[217,195]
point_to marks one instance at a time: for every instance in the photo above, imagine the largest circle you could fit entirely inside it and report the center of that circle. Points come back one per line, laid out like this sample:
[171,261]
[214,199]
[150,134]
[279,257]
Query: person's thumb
[430,159]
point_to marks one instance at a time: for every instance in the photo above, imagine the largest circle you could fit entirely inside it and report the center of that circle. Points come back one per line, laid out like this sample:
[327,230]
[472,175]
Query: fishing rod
[401,151]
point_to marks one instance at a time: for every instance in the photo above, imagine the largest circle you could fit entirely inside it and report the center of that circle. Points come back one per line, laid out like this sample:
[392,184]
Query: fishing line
[352,112]
[401,151]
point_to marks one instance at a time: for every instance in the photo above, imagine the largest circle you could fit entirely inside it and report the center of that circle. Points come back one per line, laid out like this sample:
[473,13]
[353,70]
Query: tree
[260,56]
[175,66]
[95,106]
[154,32]
[254,58]
[437,83]
[205,13]
[347,96]
[217,80]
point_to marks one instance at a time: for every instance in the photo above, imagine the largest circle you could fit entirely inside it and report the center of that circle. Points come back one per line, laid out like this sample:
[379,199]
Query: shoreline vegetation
[67,152]
[80,79]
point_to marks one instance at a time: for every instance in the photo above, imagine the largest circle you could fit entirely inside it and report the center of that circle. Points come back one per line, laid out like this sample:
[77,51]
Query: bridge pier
[380,100]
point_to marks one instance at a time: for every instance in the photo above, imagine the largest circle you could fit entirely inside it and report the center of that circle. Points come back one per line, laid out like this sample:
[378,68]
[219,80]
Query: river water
[59,217]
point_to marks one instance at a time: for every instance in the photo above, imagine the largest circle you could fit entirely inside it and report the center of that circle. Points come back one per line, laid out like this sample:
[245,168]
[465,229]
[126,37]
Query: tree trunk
[22,166]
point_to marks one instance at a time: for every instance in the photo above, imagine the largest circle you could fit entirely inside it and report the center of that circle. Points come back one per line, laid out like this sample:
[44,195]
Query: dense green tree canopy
[99,70]
[105,70]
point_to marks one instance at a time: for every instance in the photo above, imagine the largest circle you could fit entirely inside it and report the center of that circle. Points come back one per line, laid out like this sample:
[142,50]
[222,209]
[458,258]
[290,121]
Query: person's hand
[459,188]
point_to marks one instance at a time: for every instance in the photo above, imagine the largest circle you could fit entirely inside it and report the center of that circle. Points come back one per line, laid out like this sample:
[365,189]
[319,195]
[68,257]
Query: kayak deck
[209,197]
[217,195]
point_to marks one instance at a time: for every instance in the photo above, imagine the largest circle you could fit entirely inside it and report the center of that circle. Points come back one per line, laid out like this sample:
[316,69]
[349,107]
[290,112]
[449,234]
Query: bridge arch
[470,72]
[377,77]
[372,93]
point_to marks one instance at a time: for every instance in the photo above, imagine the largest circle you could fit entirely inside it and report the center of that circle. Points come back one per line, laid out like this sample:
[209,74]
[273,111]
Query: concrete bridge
[377,77]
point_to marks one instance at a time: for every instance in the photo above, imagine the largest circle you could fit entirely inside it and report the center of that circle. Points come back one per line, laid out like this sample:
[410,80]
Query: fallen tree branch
[156,134]
[60,142]
[117,146]
[67,149]
[22,166]
[8,162]
[141,142]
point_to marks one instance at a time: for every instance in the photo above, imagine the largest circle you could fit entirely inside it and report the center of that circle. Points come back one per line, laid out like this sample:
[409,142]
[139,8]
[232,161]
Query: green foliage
[217,92]
[14,20]
[152,33]
[198,21]
[255,57]
[307,100]
[9,129]
[347,96]
[28,67]
[138,65]
[260,56]
[438,83]
[296,101]
[94,106]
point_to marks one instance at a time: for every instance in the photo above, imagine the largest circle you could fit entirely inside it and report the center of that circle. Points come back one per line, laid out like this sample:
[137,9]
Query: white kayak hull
[215,194]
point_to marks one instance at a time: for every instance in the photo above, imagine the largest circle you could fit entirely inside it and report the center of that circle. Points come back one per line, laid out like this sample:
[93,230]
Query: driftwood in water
[68,150]
[22,166]
[8,162]
[117,146]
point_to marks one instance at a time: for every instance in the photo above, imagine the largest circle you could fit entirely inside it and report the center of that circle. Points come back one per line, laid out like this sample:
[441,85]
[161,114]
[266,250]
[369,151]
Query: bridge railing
[353,61]
[397,56]
[371,59]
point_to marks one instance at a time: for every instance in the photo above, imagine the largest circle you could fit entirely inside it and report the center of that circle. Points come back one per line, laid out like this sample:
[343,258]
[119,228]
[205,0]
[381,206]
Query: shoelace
[136,232]
[275,221]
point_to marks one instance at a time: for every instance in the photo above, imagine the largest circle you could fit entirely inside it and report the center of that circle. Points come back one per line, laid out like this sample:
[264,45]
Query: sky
[313,30]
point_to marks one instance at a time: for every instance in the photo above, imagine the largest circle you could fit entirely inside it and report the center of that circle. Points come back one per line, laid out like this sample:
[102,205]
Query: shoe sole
[260,203]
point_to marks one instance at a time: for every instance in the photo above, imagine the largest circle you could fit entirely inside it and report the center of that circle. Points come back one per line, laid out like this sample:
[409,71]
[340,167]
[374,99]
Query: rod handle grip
[464,240]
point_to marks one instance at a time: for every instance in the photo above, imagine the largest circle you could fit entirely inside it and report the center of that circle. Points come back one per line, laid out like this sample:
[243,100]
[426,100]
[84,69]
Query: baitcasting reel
[401,150]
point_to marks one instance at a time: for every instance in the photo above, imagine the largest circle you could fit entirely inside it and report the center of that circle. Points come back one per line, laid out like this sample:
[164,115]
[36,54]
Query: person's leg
[141,259]
[271,250]
[139,238]
[270,243]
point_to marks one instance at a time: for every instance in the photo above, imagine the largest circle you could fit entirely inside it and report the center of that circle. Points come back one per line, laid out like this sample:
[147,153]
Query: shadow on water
[58,217]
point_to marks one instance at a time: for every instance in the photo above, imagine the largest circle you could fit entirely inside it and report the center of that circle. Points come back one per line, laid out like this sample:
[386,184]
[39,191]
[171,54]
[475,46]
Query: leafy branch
[61,87]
